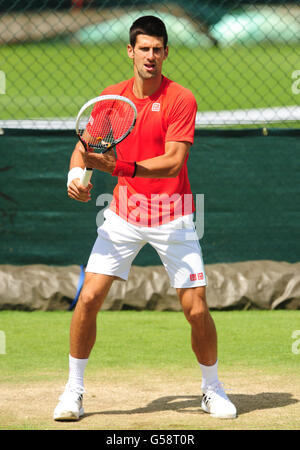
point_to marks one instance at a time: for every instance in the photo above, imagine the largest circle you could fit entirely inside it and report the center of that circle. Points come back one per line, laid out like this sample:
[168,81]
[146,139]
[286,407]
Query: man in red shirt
[152,202]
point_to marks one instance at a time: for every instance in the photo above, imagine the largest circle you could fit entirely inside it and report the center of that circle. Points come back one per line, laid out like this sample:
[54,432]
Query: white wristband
[76,172]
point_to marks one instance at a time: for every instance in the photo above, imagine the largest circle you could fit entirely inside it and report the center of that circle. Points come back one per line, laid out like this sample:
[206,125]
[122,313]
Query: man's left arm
[167,165]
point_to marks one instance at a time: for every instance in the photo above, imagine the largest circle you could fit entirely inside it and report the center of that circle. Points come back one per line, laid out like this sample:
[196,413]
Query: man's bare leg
[82,339]
[204,345]
[83,324]
[203,330]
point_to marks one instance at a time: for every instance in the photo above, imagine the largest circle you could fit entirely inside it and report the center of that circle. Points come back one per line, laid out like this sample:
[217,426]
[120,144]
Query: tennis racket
[102,123]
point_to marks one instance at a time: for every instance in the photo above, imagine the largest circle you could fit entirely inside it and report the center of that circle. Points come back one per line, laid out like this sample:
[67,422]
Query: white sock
[76,371]
[209,374]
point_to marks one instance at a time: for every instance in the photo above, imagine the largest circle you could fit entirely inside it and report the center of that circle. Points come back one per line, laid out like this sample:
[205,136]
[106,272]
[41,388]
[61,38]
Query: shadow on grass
[244,403]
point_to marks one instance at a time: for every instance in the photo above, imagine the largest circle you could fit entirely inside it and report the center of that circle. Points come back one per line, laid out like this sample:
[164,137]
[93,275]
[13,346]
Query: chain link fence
[240,58]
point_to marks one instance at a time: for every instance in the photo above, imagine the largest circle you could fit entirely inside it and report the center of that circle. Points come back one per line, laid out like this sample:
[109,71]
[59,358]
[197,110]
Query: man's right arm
[75,189]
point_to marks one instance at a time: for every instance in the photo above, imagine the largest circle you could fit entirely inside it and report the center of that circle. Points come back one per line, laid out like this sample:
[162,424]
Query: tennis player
[152,203]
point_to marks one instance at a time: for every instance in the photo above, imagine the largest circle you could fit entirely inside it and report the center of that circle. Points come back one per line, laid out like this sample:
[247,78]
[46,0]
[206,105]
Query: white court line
[248,116]
[203,119]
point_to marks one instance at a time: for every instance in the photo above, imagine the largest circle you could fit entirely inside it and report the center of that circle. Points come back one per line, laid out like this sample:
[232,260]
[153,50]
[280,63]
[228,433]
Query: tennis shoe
[70,404]
[216,403]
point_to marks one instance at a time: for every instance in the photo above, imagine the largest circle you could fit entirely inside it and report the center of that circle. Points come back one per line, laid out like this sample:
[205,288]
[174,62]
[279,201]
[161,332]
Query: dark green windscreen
[250,184]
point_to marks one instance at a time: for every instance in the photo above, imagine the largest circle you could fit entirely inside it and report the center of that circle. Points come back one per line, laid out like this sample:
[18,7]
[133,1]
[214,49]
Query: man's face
[148,55]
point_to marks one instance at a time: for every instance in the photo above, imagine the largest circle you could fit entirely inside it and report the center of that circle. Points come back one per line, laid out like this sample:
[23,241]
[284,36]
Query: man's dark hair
[149,25]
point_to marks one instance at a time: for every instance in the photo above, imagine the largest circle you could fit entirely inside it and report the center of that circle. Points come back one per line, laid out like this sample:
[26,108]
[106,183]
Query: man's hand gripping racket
[102,123]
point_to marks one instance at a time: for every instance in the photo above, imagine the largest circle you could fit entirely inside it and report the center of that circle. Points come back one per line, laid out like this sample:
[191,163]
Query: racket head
[105,121]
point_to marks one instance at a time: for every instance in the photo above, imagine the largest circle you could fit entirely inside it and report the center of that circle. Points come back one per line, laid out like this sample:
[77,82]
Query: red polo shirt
[167,115]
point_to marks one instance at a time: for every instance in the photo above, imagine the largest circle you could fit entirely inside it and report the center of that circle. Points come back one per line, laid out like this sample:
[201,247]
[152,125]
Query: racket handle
[85,179]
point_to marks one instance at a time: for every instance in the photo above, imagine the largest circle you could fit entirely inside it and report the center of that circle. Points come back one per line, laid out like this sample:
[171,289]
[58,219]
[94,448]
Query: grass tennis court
[51,79]
[142,373]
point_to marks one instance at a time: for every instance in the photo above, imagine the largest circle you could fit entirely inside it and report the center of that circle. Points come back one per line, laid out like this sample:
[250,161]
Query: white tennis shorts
[176,243]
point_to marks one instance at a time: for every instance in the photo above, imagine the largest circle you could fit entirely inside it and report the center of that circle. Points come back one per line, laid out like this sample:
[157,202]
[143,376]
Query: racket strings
[106,122]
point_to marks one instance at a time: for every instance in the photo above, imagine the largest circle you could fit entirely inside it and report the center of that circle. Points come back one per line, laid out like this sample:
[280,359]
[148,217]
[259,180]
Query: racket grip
[85,179]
